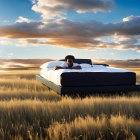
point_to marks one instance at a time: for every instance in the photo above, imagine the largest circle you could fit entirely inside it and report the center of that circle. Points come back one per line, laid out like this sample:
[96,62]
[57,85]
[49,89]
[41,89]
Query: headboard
[79,61]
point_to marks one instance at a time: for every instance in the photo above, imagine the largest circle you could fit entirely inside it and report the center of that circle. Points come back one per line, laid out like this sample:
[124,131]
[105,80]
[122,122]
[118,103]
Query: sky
[100,29]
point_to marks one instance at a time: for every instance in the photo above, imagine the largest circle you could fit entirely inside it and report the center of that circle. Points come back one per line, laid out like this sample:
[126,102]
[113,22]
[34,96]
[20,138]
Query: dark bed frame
[86,90]
[82,90]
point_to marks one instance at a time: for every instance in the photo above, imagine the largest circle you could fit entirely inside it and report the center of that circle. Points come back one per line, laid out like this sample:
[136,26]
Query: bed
[97,79]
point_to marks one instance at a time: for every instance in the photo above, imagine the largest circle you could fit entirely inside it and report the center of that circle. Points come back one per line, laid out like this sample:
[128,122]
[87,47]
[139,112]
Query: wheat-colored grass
[37,116]
[115,128]
[29,110]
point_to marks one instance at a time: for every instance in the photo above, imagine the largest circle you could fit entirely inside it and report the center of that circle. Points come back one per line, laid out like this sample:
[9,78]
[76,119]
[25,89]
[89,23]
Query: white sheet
[54,75]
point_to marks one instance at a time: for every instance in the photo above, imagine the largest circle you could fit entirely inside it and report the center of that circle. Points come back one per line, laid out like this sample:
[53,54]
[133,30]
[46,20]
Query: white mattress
[54,75]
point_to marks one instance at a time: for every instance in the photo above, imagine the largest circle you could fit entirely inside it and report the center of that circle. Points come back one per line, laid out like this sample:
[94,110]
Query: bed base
[87,89]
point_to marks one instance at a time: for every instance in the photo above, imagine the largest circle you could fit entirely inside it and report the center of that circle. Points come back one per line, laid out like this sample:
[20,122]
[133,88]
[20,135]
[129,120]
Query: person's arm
[76,67]
[62,66]
[58,67]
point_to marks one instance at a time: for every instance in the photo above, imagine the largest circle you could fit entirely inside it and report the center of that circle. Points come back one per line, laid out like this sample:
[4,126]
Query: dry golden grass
[23,85]
[115,128]
[109,117]
[28,110]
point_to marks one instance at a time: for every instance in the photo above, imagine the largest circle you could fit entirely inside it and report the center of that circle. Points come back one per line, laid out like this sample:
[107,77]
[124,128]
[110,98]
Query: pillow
[84,65]
[51,64]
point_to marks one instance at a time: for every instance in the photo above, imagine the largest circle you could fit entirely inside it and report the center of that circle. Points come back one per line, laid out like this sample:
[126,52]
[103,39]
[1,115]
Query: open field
[30,111]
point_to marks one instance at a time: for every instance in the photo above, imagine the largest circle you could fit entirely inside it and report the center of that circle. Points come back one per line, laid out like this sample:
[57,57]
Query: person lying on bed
[69,64]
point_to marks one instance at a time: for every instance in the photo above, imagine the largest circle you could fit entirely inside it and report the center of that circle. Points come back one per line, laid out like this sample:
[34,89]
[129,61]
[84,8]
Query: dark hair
[70,57]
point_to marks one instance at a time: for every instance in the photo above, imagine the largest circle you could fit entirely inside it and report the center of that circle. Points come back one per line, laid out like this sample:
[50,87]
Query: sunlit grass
[36,116]
[115,128]
[29,110]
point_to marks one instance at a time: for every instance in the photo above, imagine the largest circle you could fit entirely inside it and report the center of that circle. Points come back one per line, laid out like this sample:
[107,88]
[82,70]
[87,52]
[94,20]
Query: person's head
[70,59]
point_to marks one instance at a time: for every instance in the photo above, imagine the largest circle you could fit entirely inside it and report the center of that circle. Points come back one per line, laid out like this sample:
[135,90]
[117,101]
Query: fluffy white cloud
[58,8]
[22,19]
[33,1]
[129,18]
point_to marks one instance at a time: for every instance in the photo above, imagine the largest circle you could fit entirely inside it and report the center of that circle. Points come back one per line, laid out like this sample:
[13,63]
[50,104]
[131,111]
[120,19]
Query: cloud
[129,18]
[22,19]
[14,42]
[49,12]
[57,8]
[22,63]
[33,1]
[5,42]
[35,63]
[27,61]
[122,42]
[128,63]
[20,30]
[70,34]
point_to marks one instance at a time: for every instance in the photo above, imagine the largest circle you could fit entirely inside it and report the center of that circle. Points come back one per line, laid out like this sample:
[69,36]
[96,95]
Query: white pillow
[51,64]
[85,65]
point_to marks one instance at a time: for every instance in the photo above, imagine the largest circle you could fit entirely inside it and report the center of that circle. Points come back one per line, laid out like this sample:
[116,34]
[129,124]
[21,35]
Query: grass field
[30,111]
